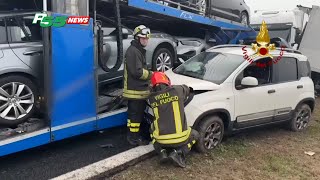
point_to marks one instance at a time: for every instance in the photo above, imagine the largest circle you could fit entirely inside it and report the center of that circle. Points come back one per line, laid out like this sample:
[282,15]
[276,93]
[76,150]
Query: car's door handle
[31,53]
[300,86]
[271,91]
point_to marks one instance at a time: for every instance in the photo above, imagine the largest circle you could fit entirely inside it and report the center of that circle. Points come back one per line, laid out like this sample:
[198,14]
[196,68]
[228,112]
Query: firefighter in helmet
[171,136]
[136,83]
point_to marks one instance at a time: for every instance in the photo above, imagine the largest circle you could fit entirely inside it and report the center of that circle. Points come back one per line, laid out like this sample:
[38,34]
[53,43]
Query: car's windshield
[277,30]
[210,66]
[283,33]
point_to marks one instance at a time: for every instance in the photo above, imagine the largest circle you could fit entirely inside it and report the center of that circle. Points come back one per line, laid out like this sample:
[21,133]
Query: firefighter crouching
[136,84]
[171,136]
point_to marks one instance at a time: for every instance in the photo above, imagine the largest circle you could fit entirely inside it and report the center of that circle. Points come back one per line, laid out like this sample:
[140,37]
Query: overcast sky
[279,4]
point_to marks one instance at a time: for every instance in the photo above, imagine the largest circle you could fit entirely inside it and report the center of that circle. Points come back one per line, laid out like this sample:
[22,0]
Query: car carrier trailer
[71,56]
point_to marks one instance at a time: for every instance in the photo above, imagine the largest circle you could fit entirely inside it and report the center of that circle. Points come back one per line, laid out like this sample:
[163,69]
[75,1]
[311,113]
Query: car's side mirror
[248,82]
[125,33]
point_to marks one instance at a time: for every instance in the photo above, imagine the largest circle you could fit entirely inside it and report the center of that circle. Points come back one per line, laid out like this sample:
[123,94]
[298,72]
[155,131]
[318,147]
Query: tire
[301,118]
[28,93]
[244,18]
[201,6]
[158,61]
[202,145]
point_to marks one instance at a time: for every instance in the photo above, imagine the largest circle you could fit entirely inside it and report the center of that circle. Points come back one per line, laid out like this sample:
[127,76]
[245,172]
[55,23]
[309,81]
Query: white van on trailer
[300,29]
[286,24]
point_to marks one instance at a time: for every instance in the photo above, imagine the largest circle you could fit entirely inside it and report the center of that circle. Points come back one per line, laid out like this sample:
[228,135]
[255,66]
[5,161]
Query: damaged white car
[232,94]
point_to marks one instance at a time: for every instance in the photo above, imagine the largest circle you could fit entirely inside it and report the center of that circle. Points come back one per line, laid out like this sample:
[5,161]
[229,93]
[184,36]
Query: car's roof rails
[289,50]
[227,45]
[239,45]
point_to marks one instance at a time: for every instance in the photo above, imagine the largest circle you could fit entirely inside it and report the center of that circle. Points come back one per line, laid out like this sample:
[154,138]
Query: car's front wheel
[18,95]
[211,131]
[301,118]
[162,60]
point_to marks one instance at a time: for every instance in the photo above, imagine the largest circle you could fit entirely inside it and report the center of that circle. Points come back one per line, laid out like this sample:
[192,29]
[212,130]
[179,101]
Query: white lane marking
[107,164]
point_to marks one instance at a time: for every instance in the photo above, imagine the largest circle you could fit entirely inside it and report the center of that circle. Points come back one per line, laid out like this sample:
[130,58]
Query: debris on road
[310,153]
[107,146]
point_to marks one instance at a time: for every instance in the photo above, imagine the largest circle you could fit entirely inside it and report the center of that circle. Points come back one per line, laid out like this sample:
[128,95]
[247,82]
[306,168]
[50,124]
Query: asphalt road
[58,158]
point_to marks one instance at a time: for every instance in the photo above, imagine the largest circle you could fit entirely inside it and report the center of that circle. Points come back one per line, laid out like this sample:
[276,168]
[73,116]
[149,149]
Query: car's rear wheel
[211,132]
[162,60]
[18,96]
[244,19]
[301,118]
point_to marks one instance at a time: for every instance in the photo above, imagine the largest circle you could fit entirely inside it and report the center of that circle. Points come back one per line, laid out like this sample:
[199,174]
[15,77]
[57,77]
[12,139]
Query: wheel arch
[222,113]
[168,46]
[309,101]
[21,73]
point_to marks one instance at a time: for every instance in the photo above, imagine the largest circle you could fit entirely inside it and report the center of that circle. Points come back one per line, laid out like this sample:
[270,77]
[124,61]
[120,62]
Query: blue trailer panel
[73,82]
[26,141]
[180,14]
[112,119]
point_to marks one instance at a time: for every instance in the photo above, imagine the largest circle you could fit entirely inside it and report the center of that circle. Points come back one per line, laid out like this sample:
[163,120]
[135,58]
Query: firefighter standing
[172,138]
[136,83]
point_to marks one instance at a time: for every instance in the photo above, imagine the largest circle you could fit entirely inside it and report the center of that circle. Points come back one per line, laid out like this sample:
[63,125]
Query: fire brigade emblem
[263,46]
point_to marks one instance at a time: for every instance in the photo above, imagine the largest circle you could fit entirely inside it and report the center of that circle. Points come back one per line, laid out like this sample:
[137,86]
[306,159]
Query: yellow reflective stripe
[135,96]
[145,74]
[135,124]
[173,141]
[134,129]
[156,127]
[134,92]
[194,141]
[153,141]
[128,123]
[177,117]
[189,146]
[173,136]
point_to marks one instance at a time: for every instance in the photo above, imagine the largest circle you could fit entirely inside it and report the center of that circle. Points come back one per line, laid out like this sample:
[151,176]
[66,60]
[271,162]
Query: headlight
[191,43]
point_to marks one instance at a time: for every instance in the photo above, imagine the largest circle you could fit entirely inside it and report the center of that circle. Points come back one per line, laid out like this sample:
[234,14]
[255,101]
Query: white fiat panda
[231,93]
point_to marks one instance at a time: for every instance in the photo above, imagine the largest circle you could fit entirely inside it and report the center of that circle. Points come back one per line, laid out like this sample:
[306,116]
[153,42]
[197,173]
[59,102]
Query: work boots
[163,156]
[178,158]
[135,139]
